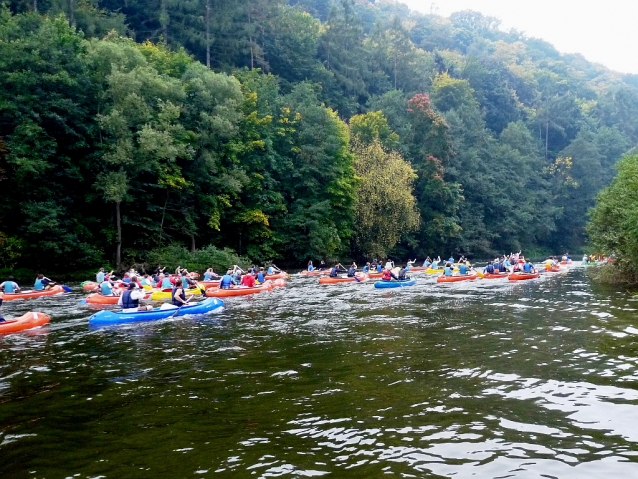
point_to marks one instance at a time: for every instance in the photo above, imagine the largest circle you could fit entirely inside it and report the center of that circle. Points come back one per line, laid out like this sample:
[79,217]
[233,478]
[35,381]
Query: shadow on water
[480,379]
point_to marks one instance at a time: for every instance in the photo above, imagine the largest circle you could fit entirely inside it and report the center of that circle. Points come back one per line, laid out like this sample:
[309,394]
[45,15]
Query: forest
[289,131]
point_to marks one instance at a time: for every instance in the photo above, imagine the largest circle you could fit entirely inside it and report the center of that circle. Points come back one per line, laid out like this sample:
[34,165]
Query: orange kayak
[89,286]
[34,294]
[209,284]
[26,321]
[553,269]
[242,290]
[329,280]
[495,275]
[282,275]
[316,272]
[521,276]
[453,279]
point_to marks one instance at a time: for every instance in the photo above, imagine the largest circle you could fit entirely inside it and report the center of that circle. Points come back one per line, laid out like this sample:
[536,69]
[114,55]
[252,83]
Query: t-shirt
[248,280]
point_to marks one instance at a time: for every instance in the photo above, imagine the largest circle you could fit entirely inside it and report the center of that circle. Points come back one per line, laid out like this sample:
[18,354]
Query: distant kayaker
[489,269]
[448,269]
[462,269]
[435,263]
[260,276]
[9,286]
[226,280]
[165,282]
[310,267]
[389,264]
[409,264]
[366,268]
[248,280]
[352,270]
[334,272]
[388,275]
[130,299]
[585,259]
[99,276]
[42,283]
[237,277]
[178,296]
[427,262]
[272,269]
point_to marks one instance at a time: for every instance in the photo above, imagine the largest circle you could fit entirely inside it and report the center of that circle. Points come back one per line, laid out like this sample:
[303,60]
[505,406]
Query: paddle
[183,304]
[66,288]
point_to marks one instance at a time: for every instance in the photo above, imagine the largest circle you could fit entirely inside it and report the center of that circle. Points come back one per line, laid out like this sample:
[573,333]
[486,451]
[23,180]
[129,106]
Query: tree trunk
[208,34]
[35,6]
[118,250]
[162,223]
[192,243]
[164,21]
[72,12]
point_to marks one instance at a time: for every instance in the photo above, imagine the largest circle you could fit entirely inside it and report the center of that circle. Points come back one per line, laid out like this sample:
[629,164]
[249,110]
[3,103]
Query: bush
[200,260]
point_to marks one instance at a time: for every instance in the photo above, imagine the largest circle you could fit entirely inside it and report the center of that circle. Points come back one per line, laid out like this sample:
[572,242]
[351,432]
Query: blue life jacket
[310,267]
[351,272]
[379,268]
[333,272]
[38,286]
[8,287]
[144,282]
[260,277]
[105,288]
[451,260]
[166,284]
[226,281]
[126,280]
[206,276]
[99,277]
[527,267]
[426,263]
[489,269]
[128,302]
[435,265]
[270,270]
[501,268]
[366,269]
[462,269]
[185,283]
[448,271]
[181,295]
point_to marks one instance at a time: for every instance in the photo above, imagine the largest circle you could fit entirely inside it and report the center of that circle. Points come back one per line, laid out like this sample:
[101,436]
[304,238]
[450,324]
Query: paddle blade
[66,288]
[82,302]
[357,279]
[481,275]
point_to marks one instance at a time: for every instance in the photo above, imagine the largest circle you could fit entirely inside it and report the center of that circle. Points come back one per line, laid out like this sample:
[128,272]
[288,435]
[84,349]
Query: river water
[472,380]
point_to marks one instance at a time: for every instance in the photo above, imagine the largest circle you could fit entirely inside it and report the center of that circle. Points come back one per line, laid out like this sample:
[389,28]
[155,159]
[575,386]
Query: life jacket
[387,276]
[105,288]
[310,268]
[463,269]
[38,286]
[527,267]
[206,276]
[181,295]
[379,268]
[490,269]
[270,270]
[8,287]
[100,277]
[333,272]
[166,284]
[260,277]
[127,302]
[447,271]
[351,272]
[225,282]
[366,269]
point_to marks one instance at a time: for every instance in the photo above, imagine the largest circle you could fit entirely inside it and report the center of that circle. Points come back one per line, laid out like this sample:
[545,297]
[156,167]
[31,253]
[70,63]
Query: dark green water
[484,379]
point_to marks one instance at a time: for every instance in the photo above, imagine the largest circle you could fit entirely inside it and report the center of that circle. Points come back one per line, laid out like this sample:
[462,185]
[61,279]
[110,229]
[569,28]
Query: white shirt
[389,265]
[135,294]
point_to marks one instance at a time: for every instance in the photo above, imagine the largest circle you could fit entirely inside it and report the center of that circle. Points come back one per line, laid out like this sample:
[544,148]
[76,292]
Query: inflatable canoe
[395,284]
[110,317]
[566,262]
[329,280]
[34,294]
[454,279]
[243,290]
[521,276]
[162,295]
[495,275]
[26,321]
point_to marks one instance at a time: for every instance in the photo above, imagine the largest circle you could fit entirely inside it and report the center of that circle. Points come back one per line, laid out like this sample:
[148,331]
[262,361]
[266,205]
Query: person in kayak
[322,265]
[178,296]
[435,263]
[42,283]
[403,276]
[448,269]
[388,275]
[2,320]
[489,269]
[334,272]
[272,269]
[260,276]
[529,267]
[164,282]
[352,270]
[9,286]
[237,277]
[463,269]
[248,280]
[130,299]
[366,268]
[427,262]
[451,259]
[389,264]
[310,267]
[409,264]
[226,280]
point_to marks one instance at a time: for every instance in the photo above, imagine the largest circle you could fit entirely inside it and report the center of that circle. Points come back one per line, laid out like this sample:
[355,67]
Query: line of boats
[212,292]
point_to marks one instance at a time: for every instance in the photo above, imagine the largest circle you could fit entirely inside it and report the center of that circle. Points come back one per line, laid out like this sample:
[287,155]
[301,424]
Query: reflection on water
[481,379]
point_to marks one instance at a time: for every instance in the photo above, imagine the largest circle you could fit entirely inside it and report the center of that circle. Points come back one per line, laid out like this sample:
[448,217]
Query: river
[471,380]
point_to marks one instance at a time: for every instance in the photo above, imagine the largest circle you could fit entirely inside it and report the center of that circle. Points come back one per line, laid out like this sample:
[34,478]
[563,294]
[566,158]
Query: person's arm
[177,296]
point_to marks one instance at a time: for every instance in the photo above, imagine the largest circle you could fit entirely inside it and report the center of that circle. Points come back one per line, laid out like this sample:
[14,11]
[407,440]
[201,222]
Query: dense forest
[308,129]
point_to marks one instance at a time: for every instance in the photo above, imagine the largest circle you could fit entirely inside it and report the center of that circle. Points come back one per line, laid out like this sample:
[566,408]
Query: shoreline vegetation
[289,130]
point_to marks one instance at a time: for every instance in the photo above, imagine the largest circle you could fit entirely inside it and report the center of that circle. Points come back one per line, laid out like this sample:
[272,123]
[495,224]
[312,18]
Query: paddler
[226,280]
[352,270]
[463,269]
[9,286]
[248,280]
[389,264]
[310,267]
[178,297]
[366,268]
[130,299]
[260,276]
[427,262]
[272,269]
[529,267]
[435,263]
[338,268]
[165,282]
[489,269]
[448,271]
[403,276]
[388,275]
[42,283]
[409,264]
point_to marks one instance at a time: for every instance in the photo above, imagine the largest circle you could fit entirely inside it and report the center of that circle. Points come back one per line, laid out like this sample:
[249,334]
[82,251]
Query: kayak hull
[395,284]
[329,280]
[272,277]
[110,317]
[454,279]
[242,291]
[89,285]
[495,276]
[523,276]
[162,295]
[26,321]
[58,289]
[316,272]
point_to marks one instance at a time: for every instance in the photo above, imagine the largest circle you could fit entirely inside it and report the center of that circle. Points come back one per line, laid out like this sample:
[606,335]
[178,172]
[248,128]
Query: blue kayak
[395,284]
[110,317]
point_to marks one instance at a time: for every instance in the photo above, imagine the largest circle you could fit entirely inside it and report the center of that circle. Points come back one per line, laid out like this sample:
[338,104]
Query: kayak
[316,272]
[97,298]
[89,285]
[210,284]
[280,275]
[521,276]
[110,317]
[58,289]
[329,280]
[26,321]
[161,295]
[418,268]
[243,290]
[434,271]
[566,262]
[553,269]
[453,279]
[495,275]
[395,284]
[375,275]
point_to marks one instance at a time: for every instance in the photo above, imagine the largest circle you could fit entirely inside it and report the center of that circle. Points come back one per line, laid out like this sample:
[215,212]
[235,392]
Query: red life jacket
[386,275]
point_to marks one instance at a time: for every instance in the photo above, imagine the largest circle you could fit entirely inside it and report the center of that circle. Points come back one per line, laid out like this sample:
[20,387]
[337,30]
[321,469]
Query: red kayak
[34,294]
[243,290]
[316,272]
[26,321]
[453,279]
[521,276]
[495,275]
[328,280]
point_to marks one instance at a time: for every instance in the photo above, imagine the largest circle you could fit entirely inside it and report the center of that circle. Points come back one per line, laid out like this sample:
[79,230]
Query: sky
[602,31]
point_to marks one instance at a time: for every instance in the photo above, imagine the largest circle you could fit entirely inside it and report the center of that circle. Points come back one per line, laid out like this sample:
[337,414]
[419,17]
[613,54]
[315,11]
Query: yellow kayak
[161,295]
[439,271]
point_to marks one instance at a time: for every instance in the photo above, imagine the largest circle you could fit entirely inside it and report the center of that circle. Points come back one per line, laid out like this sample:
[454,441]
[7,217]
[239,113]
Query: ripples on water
[484,379]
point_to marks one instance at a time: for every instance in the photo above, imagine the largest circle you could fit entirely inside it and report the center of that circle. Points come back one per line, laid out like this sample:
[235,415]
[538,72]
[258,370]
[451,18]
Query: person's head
[230,271]
[40,276]
[146,276]
[178,283]
[310,262]
[527,261]
[101,270]
[162,275]
[133,279]
[131,286]
[261,269]
[368,263]
[10,278]
[354,265]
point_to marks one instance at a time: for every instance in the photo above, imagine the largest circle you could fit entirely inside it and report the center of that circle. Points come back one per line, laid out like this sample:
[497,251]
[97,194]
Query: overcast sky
[604,31]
